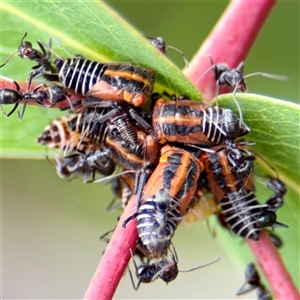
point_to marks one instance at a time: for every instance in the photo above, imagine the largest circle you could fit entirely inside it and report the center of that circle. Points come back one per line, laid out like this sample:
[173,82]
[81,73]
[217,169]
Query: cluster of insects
[171,158]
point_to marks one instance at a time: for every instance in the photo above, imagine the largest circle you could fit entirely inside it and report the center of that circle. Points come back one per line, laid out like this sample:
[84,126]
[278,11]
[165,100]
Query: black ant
[276,240]
[268,216]
[160,44]
[44,66]
[234,78]
[165,268]
[252,279]
[53,94]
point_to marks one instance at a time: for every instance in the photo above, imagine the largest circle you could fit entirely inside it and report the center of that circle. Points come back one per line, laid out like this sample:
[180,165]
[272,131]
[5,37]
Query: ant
[165,268]
[53,94]
[252,279]
[268,216]
[234,78]
[44,66]
[160,44]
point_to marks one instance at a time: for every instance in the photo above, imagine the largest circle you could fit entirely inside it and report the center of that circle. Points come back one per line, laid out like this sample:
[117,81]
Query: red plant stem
[115,258]
[6,83]
[273,268]
[229,42]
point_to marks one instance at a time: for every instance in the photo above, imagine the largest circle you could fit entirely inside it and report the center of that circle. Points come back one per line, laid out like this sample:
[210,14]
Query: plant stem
[6,83]
[228,43]
[273,268]
[115,258]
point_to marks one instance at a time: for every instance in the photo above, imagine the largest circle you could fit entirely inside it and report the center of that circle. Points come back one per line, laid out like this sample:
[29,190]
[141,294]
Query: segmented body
[191,122]
[166,198]
[229,173]
[111,81]
[59,134]
[253,282]
[42,94]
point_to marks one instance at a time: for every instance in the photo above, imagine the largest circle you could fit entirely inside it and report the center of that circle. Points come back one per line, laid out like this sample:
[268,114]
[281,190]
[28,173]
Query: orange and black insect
[229,173]
[106,135]
[252,282]
[87,123]
[166,198]
[111,81]
[43,95]
[59,135]
[84,127]
[82,157]
[44,67]
[191,122]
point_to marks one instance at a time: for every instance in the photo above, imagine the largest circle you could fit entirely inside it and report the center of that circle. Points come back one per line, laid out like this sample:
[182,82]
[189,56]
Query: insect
[43,95]
[166,198]
[191,122]
[81,157]
[229,172]
[276,240]
[44,67]
[165,267]
[85,165]
[234,78]
[268,216]
[140,158]
[112,81]
[252,281]
[130,156]
[160,44]
[59,135]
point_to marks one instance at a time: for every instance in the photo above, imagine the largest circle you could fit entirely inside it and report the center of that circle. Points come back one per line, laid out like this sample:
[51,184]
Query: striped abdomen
[241,210]
[59,135]
[192,122]
[79,74]
[112,81]
[229,174]
[157,223]
[167,196]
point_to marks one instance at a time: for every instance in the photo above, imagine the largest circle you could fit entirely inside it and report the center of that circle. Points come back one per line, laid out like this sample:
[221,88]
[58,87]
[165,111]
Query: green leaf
[91,29]
[95,31]
[275,129]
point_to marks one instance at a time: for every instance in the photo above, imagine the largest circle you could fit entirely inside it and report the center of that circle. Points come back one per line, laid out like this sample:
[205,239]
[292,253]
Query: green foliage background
[50,226]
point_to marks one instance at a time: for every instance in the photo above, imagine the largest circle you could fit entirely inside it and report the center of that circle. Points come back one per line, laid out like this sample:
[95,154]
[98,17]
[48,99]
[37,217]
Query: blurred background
[51,227]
